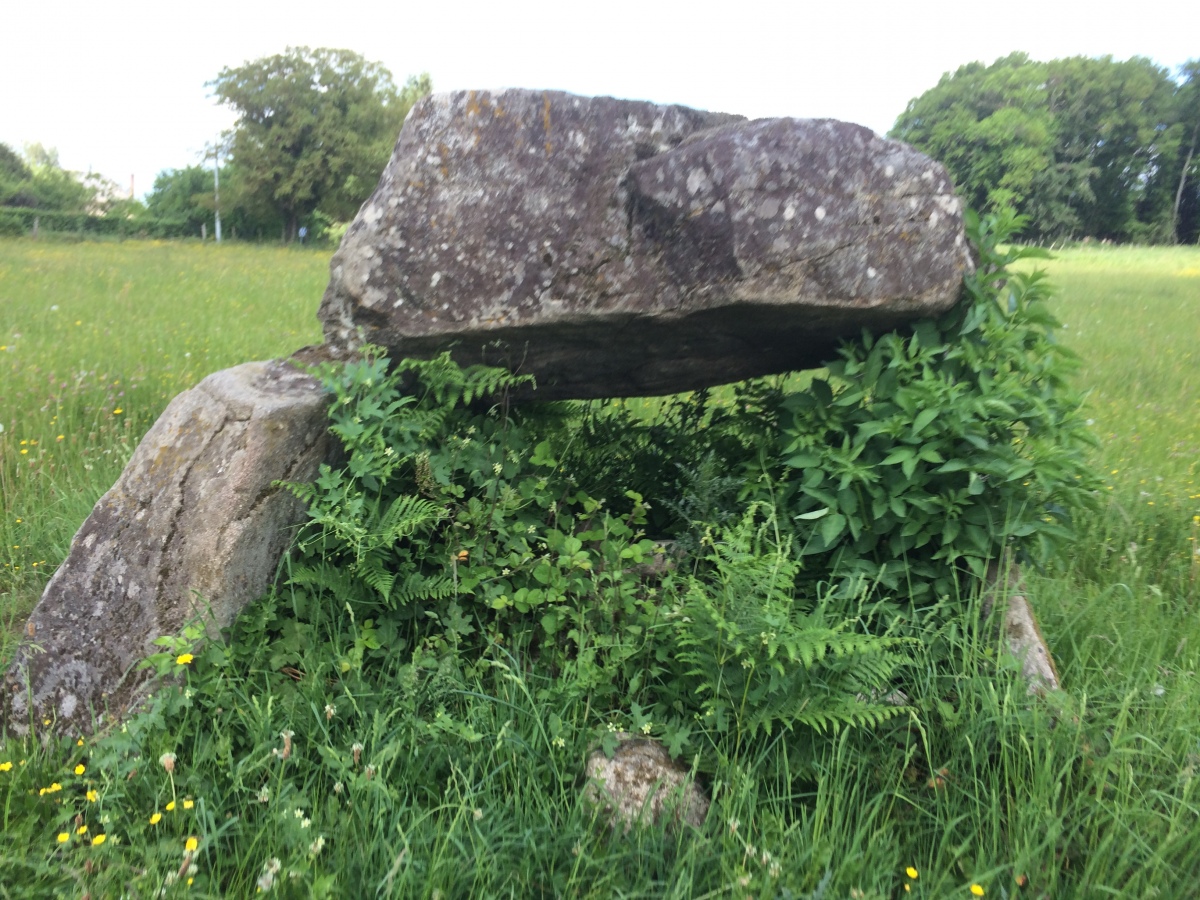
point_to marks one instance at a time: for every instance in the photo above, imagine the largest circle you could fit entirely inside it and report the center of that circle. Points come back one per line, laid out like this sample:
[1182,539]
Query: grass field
[1093,794]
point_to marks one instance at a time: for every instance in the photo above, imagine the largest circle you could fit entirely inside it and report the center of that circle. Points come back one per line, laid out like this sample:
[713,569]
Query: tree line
[1083,147]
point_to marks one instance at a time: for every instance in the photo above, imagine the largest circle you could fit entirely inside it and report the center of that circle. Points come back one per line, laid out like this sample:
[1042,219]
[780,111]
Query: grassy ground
[1093,794]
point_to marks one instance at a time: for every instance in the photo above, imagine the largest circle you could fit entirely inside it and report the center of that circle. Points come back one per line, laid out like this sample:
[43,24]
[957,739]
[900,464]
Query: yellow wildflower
[191,844]
[183,659]
[5,766]
[912,873]
[63,837]
[82,829]
[977,890]
[118,411]
[156,818]
[80,769]
[188,804]
[92,796]
[171,806]
[99,839]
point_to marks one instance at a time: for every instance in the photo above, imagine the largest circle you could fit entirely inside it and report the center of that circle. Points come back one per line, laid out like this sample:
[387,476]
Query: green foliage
[757,656]
[1082,146]
[315,128]
[183,195]
[927,455]
[16,221]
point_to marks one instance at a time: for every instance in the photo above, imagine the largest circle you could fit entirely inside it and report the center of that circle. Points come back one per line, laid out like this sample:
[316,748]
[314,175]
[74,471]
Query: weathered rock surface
[193,528]
[1019,629]
[616,247]
[641,783]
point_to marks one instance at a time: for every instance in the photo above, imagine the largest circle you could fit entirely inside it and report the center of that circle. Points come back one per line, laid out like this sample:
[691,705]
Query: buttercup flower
[63,837]
[80,769]
[183,659]
[99,839]
[191,844]
[188,804]
[977,890]
[171,806]
[92,796]
[156,818]
[912,873]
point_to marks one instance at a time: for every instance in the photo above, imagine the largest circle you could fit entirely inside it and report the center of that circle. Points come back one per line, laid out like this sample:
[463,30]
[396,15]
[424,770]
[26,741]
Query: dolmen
[607,247]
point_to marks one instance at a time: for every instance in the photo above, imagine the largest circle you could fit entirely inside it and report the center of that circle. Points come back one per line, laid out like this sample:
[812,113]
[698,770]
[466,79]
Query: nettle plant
[821,529]
[928,455]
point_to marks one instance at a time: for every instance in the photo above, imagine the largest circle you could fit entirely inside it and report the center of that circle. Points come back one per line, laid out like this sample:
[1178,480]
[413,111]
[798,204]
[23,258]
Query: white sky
[118,86]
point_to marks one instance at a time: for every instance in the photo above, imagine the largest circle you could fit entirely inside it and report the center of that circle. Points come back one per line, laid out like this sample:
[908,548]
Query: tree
[1082,146]
[1188,116]
[15,177]
[314,131]
[182,194]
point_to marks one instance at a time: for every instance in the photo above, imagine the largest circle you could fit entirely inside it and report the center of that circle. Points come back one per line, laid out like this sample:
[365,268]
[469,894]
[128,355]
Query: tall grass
[1094,792]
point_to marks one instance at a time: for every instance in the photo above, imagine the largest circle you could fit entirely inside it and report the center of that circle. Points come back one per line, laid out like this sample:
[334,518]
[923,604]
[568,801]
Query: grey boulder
[614,247]
[193,529]
[641,784]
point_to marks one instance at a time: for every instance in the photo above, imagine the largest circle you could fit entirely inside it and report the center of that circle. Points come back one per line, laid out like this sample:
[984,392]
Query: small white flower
[477,814]
[306,823]
[338,787]
[299,813]
[330,711]
[496,467]
[317,846]
[264,794]
[273,865]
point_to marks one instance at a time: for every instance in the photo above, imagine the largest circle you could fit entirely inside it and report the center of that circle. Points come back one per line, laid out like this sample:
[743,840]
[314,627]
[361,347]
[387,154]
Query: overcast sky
[118,86]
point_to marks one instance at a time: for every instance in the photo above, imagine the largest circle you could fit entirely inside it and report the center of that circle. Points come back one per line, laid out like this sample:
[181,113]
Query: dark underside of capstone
[616,248]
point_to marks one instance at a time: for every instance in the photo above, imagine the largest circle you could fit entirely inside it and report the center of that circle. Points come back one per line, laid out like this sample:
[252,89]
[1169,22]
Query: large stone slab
[616,247]
[193,528]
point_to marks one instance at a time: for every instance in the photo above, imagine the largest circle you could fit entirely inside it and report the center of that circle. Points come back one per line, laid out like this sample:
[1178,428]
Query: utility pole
[217,189]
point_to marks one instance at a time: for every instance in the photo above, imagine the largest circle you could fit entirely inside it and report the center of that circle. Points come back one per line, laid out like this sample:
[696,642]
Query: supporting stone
[193,529]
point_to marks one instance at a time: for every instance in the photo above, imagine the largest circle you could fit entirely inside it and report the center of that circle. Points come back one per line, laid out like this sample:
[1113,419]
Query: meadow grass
[1093,792]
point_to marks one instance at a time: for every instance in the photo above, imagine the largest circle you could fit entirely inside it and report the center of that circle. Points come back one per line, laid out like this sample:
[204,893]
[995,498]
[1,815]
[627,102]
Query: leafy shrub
[930,454]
